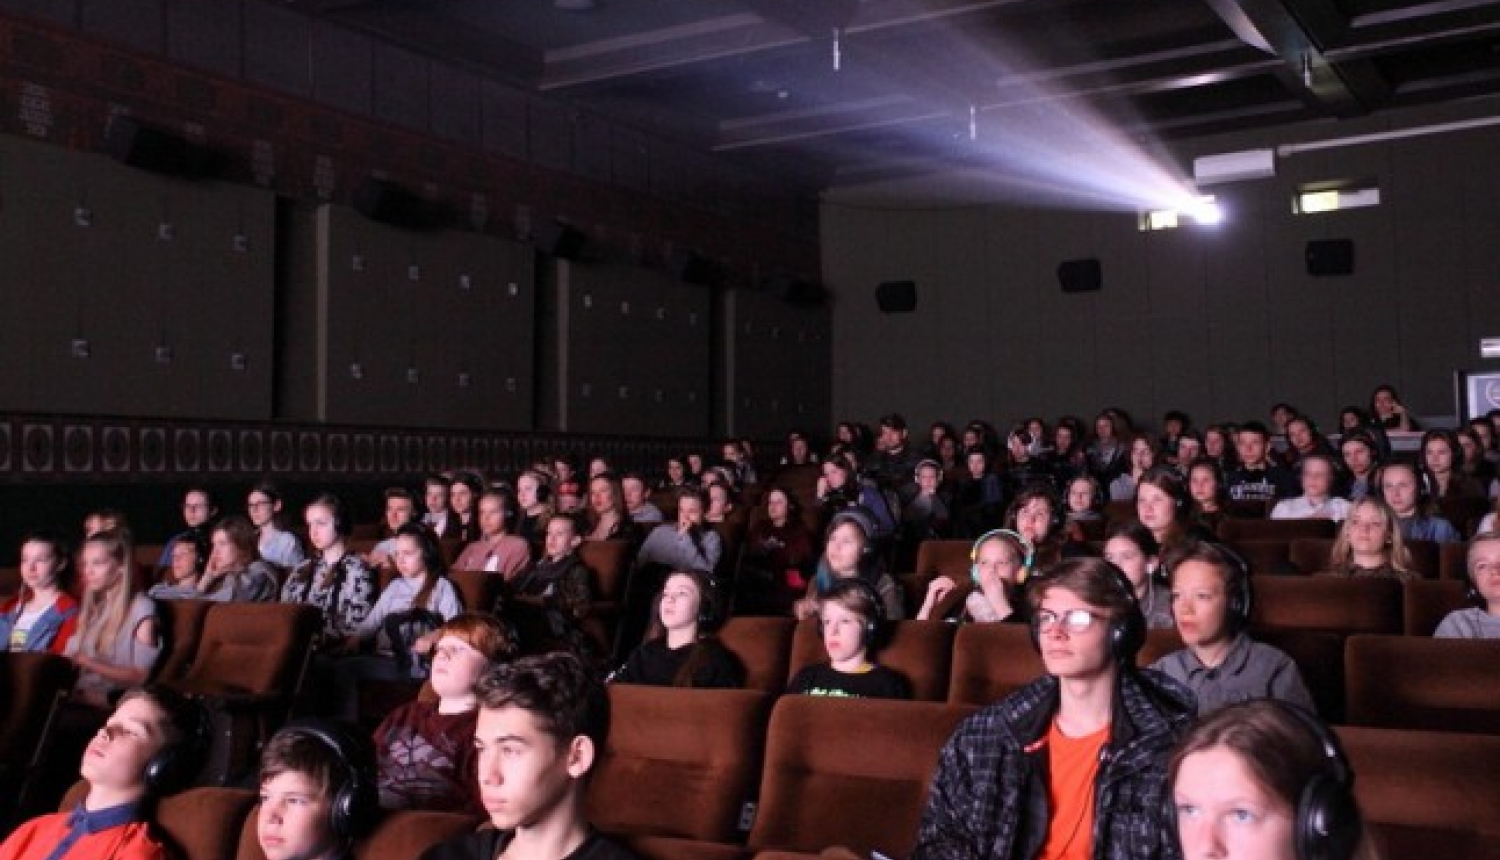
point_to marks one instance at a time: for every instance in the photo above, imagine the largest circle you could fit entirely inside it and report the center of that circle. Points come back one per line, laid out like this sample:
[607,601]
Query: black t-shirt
[821,679]
[487,845]
[1262,485]
[655,664]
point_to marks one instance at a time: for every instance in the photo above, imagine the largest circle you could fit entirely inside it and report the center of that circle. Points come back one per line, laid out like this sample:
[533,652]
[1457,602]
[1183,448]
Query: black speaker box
[1080,276]
[1330,257]
[129,142]
[386,202]
[896,297]
[558,239]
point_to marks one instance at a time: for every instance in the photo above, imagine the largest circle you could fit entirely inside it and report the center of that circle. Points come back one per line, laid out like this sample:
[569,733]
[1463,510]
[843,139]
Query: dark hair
[1230,570]
[54,541]
[1449,438]
[1137,534]
[473,482]
[184,717]
[1094,580]
[403,494]
[894,420]
[557,688]
[432,560]
[303,750]
[1255,427]
[509,511]
[437,480]
[1179,416]
[208,496]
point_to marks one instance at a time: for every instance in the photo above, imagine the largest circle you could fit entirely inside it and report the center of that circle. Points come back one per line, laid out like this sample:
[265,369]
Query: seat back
[1159,643]
[919,651]
[205,823]
[763,645]
[1311,555]
[1453,561]
[1332,604]
[182,621]
[943,558]
[1265,556]
[477,588]
[1426,602]
[1233,529]
[31,686]
[607,559]
[849,772]
[678,762]
[991,661]
[1410,682]
[259,648]
[1426,557]
[1319,657]
[1427,794]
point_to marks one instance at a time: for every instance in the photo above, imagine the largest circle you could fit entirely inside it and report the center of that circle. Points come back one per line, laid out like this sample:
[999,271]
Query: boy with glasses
[1076,757]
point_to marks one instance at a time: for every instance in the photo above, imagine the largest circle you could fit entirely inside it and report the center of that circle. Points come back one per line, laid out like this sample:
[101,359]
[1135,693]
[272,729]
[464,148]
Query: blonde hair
[1342,557]
[103,612]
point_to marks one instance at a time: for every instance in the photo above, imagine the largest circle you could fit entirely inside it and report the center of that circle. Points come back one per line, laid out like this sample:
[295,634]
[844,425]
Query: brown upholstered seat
[1411,682]
[1332,604]
[943,558]
[1266,557]
[1426,602]
[1426,557]
[920,651]
[477,589]
[1310,555]
[991,661]
[1159,643]
[849,772]
[1320,659]
[1427,794]
[1233,530]
[182,622]
[763,645]
[678,762]
[400,835]
[1453,561]
[609,561]
[32,686]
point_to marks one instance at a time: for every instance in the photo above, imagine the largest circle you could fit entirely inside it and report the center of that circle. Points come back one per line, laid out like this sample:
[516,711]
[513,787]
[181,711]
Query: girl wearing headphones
[1130,547]
[1443,456]
[1370,544]
[1261,781]
[1407,488]
[993,594]
[849,616]
[1481,621]
[1161,505]
[1220,663]
[849,553]
[679,651]
[1208,496]
[334,580]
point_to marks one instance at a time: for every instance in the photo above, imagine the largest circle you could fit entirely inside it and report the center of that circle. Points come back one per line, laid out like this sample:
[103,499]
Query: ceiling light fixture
[837,54]
[973,124]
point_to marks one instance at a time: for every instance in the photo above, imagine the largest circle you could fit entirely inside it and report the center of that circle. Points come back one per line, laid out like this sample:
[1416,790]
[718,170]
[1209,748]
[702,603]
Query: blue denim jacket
[46,628]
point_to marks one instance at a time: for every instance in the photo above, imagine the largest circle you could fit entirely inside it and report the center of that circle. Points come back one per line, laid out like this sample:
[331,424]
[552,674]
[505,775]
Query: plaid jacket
[989,798]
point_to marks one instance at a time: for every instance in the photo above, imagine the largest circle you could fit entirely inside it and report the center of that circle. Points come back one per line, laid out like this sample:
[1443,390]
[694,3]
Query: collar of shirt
[86,821]
[1234,659]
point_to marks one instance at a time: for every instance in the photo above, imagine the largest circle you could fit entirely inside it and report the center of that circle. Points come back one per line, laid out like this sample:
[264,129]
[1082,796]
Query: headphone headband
[1028,552]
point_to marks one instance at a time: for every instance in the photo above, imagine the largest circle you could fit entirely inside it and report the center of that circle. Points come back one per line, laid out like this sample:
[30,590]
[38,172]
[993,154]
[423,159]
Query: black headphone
[708,604]
[175,766]
[355,803]
[1127,631]
[427,543]
[1327,824]
[1027,551]
[1238,599]
[877,611]
[862,519]
[335,506]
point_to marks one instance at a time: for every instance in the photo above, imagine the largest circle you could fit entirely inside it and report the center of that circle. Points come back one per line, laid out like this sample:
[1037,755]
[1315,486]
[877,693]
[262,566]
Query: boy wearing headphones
[317,792]
[1073,765]
[849,614]
[1211,608]
[542,725]
[151,745]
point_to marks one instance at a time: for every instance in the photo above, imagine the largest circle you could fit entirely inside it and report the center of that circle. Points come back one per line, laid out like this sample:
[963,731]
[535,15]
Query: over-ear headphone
[1418,471]
[176,764]
[335,506]
[875,607]
[1127,631]
[863,520]
[354,802]
[1327,824]
[1022,546]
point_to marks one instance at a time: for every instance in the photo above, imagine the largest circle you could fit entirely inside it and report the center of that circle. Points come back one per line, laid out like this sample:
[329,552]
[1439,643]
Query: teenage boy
[1075,758]
[317,792]
[542,724]
[1257,479]
[151,745]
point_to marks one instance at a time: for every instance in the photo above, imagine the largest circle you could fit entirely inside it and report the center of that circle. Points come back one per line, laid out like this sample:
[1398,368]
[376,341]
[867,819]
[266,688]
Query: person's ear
[580,756]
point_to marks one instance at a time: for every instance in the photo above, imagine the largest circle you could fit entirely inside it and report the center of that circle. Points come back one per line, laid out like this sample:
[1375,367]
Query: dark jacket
[989,797]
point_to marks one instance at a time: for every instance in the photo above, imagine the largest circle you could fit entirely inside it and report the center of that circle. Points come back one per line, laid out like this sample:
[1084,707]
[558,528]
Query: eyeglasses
[1072,620]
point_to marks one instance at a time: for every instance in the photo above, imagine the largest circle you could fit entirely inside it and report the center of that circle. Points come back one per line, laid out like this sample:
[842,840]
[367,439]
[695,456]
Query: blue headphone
[1028,552]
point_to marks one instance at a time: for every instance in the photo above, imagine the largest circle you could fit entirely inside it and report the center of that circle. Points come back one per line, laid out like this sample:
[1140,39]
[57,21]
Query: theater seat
[1427,794]
[1426,557]
[763,645]
[609,561]
[1320,659]
[943,558]
[1311,555]
[182,621]
[678,763]
[1427,602]
[1411,682]
[991,661]
[1453,561]
[32,687]
[1234,530]
[849,772]
[1330,604]
[477,589]
[1159,643]
[919,651]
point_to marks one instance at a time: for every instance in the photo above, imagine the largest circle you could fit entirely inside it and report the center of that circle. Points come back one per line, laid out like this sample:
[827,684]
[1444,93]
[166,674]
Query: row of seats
[1373,680]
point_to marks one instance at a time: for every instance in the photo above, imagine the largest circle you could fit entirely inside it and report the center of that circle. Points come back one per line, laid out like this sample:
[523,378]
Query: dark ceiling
[919,81]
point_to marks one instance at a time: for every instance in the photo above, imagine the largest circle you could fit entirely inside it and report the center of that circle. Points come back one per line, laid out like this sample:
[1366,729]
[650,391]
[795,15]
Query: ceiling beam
[1299,32]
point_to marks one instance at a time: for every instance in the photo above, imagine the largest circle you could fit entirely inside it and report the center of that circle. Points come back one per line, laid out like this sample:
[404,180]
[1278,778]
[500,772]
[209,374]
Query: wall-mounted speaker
[896,297]
[1080,276]
[1327,257]
[386,202]
[560,239]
